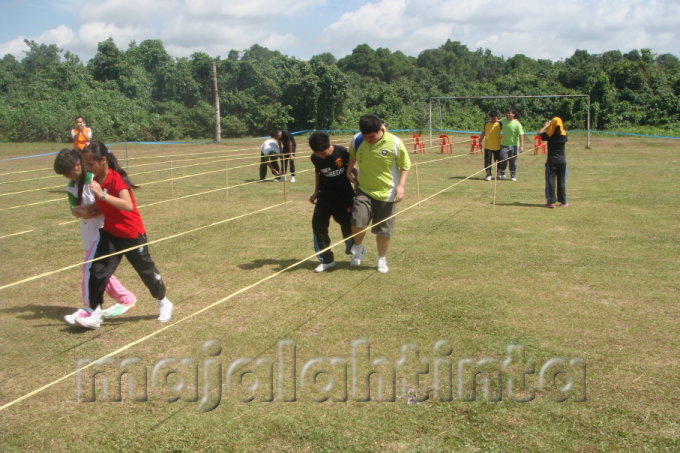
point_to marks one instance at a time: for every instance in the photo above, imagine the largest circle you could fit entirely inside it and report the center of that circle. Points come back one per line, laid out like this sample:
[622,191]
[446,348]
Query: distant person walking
[555,134]
[288,146]
[512,143]
[81,134]
[492,146]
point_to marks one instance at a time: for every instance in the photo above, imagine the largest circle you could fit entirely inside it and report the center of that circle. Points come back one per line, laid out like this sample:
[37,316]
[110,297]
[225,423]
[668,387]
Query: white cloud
[307,27]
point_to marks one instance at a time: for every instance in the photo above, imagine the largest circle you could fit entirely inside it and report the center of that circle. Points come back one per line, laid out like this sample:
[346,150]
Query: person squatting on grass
[555,134]
[333,195]
[123,229]
[82,201]
[287,144]
[383,170]
[511,144]
[492,146]
[269,156]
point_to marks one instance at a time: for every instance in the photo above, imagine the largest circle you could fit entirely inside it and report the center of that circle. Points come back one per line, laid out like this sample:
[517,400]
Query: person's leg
[320,222]
[100,273]
[503,160]
[550,183]
[292,161]
[141,261]
[513,150]
[361,216]
[342,214]
[263,166]
[383,227]
[561,174]
[487,161]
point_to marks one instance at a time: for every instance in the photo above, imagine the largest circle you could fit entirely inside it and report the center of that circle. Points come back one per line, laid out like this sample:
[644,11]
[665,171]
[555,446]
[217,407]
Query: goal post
[438,100]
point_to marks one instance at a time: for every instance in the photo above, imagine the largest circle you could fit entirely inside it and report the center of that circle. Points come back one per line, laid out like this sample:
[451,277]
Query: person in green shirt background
[512,143]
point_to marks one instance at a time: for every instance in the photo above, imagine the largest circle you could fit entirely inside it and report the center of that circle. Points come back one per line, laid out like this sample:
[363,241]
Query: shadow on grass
[278,265]
[30,312]
[522,205]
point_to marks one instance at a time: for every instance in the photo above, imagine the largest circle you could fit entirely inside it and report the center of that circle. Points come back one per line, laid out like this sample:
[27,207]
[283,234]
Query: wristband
[106,191]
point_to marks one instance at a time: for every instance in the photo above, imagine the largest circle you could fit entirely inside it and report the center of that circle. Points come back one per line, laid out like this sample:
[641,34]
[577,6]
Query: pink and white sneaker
[80,313]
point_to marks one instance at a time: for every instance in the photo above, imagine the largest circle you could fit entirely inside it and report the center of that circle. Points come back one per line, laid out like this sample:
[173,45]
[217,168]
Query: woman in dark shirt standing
[554,133]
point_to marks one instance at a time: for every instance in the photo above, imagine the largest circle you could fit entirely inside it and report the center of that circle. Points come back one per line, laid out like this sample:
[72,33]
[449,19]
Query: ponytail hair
[99,150]
[65,162]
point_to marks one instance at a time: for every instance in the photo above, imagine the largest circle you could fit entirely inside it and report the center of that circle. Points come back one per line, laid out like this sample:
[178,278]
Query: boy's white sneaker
[292,179]
[324,267]
[164,310]
[357,255]
[382,265]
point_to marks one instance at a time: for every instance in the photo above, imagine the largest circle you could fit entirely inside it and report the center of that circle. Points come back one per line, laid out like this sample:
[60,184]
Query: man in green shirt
[383,164]
[512,143]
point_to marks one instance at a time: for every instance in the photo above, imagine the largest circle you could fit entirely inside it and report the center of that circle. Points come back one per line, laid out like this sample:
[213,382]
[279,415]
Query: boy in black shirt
[333,195]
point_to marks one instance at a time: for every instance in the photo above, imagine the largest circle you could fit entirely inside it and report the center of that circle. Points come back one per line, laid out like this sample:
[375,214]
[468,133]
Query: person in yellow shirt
[81,134]
[492,145]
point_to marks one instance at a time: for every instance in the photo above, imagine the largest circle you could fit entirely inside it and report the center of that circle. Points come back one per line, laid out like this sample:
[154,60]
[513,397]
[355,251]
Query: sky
[304,28]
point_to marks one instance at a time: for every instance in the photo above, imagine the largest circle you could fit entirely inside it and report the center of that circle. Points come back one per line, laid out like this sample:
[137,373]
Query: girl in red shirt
[123,230]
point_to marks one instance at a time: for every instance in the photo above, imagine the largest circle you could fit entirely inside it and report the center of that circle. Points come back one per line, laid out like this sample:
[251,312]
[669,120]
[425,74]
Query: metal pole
[430,121]
[588,133]
[126,156]
[218,126]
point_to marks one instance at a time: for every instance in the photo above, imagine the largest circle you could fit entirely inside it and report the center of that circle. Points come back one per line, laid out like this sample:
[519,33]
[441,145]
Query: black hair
[493,113]
[99,150]
[370,123]
[274,133]
[319,141]
[65,162]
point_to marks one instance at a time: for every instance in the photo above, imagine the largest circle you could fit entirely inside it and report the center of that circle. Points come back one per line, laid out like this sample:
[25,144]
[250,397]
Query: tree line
[143,93]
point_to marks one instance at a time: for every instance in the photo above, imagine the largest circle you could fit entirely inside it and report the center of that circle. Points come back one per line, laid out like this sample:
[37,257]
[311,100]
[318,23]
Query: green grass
[595,281]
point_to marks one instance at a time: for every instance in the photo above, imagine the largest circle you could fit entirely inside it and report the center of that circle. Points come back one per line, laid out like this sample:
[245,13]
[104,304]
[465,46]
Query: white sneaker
[80,313]
[94,321]
[488,178]
[357,255]
[382,265]
[502,177]
[324,266]
[164,310]
[292,179]
[514,178]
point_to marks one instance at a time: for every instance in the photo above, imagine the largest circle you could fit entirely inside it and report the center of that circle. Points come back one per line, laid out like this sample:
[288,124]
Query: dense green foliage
[143,93]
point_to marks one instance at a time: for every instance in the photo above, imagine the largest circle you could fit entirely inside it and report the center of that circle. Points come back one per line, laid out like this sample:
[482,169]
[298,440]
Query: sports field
[530,329]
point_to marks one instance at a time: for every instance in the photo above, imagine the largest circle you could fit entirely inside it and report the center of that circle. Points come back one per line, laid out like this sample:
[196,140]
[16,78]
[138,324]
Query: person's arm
[521,138]
[481,136]
[351,171]
[122,202]
[544,128]
[401,187]
[317,184]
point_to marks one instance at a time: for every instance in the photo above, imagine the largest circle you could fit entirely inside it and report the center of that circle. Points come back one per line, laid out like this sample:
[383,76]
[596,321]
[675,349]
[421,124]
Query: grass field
[596,282]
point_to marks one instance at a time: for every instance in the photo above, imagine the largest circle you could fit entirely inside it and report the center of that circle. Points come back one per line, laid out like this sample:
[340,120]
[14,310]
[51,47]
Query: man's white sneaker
[382,265]
[80,313]
[292,179]
[164,310]
[488,178]
[514,178]
[357,255]
[94,321]
[324,267]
